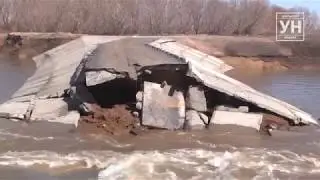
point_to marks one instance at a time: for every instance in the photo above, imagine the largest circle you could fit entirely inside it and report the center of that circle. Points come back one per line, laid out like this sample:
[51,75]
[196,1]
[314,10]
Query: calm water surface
[13,73]
[54,152]
[300,88]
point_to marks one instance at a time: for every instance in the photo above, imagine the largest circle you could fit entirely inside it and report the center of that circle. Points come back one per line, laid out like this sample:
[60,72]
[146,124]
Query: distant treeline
[227,17]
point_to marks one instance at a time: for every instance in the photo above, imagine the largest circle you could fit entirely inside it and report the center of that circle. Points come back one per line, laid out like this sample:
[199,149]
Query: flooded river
[54,152]
[13,73]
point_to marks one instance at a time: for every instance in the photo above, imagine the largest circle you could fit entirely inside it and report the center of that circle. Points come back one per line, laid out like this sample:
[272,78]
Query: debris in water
[196,99]
[160,110]
[252,120]
[194,121]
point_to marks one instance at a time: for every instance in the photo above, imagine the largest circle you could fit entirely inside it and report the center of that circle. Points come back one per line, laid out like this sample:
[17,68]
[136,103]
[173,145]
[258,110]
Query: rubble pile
[166,93]
[114,121]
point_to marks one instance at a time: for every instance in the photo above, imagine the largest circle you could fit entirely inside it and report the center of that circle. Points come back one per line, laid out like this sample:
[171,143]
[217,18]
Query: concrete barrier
[161,110]
[252,120]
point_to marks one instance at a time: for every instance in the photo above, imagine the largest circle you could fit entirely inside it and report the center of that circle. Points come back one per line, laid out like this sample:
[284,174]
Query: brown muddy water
[55,152]
[13,73]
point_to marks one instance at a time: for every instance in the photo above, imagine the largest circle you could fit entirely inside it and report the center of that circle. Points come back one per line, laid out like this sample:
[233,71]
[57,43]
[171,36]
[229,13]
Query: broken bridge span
[110,70]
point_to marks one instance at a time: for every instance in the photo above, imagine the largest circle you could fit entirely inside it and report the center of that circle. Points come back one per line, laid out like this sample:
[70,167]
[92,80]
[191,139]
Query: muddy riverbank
[253,53]
[259,54]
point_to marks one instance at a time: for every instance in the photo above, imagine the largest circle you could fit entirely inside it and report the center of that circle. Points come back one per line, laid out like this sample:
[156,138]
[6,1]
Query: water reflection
[300,88]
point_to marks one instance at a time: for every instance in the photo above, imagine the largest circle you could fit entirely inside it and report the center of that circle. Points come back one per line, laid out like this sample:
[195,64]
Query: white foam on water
[21,136]
[203,164]
[5,135]
[221,162]
[173,164]
[109,141]
[85,159]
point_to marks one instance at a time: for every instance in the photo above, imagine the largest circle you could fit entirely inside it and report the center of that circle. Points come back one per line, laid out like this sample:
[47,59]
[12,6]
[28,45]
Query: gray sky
[313,5]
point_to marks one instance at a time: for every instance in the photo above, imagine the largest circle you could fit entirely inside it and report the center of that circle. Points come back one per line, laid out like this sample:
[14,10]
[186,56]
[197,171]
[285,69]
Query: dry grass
[259,54]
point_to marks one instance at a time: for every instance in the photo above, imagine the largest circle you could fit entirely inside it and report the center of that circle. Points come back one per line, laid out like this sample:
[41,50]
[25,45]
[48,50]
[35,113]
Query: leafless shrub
[230,17]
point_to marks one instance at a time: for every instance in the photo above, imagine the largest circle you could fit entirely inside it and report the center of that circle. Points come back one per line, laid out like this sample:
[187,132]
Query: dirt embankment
[259,54]
[24,46]
[305,54]
[243,53]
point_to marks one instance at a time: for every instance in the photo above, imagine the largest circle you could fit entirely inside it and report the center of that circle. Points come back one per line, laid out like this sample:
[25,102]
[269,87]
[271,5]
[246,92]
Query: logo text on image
[290,26]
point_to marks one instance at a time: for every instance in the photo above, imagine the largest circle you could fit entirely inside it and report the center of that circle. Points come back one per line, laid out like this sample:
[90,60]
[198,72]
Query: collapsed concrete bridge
[167,85]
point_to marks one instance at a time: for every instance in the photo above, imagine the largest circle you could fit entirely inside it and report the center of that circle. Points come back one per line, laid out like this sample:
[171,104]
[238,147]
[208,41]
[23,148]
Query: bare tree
[6,7]
[237,17]
[195,9]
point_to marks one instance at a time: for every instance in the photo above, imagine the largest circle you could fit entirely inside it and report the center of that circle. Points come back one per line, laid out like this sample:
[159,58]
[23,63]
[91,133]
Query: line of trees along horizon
[146,17]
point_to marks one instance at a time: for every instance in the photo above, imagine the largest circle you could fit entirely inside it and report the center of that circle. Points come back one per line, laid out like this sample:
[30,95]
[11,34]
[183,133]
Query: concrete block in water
[4,115]
[252,120]
[136,114]
[196,99]
[193,120]
[243,109]
[139,105]
[71,118]
[47,109]
[14,110]
[204,118]
[160,110]
[54,110]
[139,96]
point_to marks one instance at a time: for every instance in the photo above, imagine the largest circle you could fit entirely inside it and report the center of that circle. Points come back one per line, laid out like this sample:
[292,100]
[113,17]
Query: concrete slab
[128,55]
[190,55]
[209,70]
[139,96]
[160,110]
[71,118]
[243,109]
[54,110]
[49,109]
[14,110]
[196,99]
[227,85]
[252,120]
[194,120]
[99,77]
[56,68]
[204,118]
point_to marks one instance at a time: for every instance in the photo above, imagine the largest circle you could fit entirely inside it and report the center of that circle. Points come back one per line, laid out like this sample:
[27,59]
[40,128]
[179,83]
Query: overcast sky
[313,5]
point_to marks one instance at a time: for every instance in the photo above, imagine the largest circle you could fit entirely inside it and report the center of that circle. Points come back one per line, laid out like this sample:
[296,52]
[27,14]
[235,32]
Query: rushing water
[54,152]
